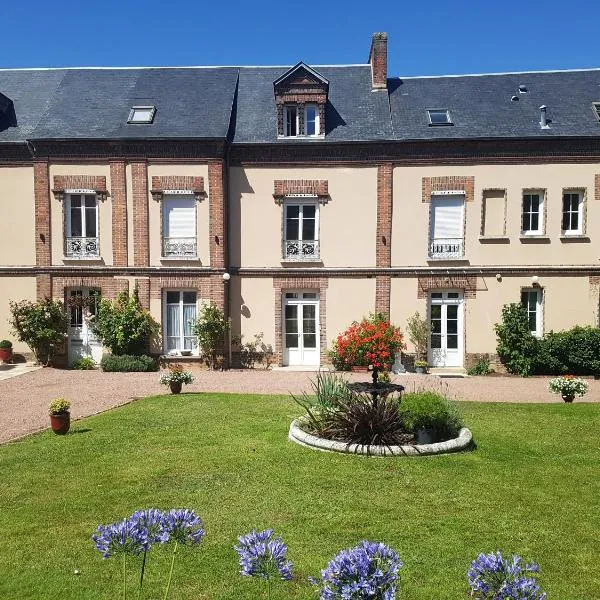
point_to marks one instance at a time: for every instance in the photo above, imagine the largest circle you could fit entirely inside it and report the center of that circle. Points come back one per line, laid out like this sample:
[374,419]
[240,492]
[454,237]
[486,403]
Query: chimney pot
[543,117]
[378,60]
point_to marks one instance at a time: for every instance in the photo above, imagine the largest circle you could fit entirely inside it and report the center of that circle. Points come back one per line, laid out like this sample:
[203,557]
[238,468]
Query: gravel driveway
[24,399]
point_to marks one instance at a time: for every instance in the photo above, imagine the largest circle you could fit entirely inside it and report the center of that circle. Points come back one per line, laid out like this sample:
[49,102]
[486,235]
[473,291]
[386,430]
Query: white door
[301,329]
[446,322]
[82,304]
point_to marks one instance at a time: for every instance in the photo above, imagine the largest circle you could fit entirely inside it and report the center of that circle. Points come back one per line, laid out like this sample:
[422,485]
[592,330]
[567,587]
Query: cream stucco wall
[14,289]
[252,305]
[57,218]
[404,303]
[17,216]
[202,216]
[347,221]
[411,215]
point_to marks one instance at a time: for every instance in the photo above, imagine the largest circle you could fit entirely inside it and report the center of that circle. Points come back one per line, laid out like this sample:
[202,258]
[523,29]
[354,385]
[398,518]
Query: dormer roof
[301,74]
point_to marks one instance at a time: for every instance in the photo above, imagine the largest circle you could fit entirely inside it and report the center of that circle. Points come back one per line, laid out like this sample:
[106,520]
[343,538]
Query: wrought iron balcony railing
[179,247]
[446,248]
[82,247]
[301,249]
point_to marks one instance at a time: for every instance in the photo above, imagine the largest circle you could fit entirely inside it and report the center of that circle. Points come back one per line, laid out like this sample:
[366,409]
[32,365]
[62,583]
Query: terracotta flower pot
[568,397]
[175,387]
[6,355]
[60,423]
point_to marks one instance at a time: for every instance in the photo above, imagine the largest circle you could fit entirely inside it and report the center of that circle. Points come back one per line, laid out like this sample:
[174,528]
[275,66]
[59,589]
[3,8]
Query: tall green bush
[574,352]
[123,325]
[517,346]
[210,329]
[41,325]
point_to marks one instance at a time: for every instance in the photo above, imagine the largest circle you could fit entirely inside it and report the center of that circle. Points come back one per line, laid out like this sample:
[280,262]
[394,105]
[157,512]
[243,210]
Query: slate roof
[353,111]
[481,105]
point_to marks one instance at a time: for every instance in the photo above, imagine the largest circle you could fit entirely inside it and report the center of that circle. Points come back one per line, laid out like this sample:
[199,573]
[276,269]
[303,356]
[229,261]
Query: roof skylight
[439,116]
[596,107]
[141,114]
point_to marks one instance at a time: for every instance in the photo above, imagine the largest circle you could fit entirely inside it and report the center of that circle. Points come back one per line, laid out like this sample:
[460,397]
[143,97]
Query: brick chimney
[378,60]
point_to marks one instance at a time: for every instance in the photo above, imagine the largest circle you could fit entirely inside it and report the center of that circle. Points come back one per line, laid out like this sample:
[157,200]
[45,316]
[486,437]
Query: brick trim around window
[192,184]
[80,182]
[467,283]
[464,183]
[283,284]
[301,187]
[110,287]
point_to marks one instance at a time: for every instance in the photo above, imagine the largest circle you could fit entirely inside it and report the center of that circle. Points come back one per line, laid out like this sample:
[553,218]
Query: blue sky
[425,38]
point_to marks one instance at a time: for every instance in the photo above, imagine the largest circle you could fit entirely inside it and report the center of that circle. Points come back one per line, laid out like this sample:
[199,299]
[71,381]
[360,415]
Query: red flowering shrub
[374,341]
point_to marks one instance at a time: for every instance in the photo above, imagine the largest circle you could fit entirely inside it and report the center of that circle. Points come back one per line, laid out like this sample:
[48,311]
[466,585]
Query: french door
[446,323]
[82,305]
[179,319]
[301,329]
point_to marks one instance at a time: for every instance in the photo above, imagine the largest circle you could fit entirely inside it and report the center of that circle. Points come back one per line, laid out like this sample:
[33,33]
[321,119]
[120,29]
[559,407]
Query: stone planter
[568,397]
[60,423]
[421,370]
[175,387]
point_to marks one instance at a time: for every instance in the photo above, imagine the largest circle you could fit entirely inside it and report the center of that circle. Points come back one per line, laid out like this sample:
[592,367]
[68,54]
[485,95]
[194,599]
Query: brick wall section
[290,187]
[178,182]
[382,294]
[281,284]
[110,287]
[141,247]
[119,213]
[467,283]
[217,216]
[143,288]
[448,183]
[200,284]
[41,183]
[597,187]
[79,182]
[43,286]
[378,60]
[384,216]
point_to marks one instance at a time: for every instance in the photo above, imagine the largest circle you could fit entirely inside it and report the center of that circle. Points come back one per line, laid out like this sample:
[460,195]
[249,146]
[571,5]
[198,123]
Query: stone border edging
[297,435]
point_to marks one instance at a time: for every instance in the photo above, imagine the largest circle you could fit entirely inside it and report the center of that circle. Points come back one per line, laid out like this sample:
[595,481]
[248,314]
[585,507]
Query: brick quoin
[382,294]
[597,187]
[281,284]
[143,289]
[217,216]
[383,243]
[141,245]
[465,184]
[119,213]
[41,187]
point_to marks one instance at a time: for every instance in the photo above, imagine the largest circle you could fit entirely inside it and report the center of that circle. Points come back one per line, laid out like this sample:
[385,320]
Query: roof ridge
[498,73]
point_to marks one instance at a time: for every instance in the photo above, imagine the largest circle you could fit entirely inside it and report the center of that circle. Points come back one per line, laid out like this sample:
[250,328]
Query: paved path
[24,400]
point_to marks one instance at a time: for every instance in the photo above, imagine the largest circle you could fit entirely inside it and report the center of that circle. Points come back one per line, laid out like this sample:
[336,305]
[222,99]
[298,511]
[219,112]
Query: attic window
[596,107]
[439,117]
[141,114]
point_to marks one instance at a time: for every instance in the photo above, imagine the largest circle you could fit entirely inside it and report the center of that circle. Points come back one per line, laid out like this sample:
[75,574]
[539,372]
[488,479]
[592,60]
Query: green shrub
[127,363]
[481,367]
[575,352]
[517,346]
[5,344]
[59,406]
[210,328]
[124,326]
[84,364]
[41,325]
[429,410]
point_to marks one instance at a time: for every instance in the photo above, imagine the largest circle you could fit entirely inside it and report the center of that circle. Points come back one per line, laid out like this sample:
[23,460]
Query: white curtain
[189,318]
[173,324]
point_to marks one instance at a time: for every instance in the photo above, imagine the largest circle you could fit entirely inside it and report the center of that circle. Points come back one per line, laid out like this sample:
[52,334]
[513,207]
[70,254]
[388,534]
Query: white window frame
[580,212]
[135,111]
[195,349]
[596,109]
[439,110]
[286,116]
[541,212]
[169,195]
[317,120]
[68,196]
[539,313]
[301,202]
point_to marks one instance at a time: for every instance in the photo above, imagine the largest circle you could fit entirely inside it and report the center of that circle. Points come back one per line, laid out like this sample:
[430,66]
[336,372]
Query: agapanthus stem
[268,588]
[124,577]
[142,575]
[170,573]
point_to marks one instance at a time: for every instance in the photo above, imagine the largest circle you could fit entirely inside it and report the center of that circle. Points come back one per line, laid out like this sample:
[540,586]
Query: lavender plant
[493,577]
[264,556]
[369,571]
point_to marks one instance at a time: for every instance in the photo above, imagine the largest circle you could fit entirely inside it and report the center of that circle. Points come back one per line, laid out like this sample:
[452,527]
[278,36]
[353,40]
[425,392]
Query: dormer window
[302,121]
[141,114]
[311,120]
[291,121]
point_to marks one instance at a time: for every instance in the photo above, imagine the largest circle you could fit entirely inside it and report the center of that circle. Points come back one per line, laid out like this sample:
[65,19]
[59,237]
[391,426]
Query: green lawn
[531,487]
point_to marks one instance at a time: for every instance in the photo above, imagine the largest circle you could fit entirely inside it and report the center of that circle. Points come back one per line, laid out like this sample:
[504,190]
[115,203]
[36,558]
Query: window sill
[494,239]
[534,239]
[580,237]
[291,262]
[301,137]
[446,259]
[179,258]
[82,259]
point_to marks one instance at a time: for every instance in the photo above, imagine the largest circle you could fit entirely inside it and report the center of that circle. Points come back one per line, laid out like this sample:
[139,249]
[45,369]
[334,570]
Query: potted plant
[176,377]
[421,366]
[6,351]
[568,387]
[60,417]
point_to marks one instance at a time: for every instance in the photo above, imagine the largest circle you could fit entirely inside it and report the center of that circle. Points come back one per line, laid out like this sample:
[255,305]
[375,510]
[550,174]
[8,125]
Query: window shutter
[447,220]
[180,217]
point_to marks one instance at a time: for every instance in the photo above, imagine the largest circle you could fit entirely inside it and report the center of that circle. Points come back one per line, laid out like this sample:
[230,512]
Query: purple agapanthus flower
[263,555]
[123,537]
[148,523]
[181,525]
[369,571]
[493,577]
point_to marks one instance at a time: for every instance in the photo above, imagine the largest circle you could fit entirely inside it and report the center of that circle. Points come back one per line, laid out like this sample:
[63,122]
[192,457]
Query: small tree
[418,334]
[517,346]
[210,329]
[41,325]
[123,325]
